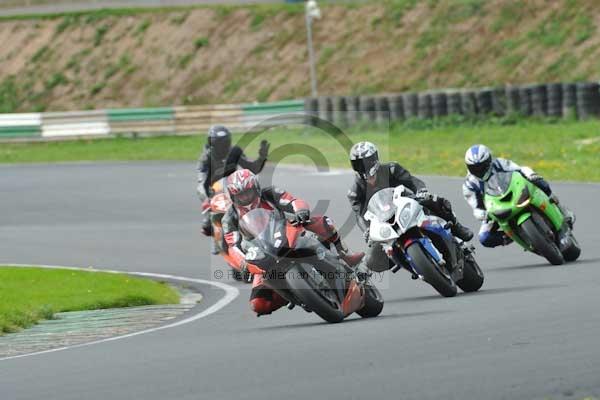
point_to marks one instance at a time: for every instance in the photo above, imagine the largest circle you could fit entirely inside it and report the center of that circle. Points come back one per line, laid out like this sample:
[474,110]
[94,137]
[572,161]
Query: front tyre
[431,272]
[314,293]
[373,302]
[472,279]
[542,242]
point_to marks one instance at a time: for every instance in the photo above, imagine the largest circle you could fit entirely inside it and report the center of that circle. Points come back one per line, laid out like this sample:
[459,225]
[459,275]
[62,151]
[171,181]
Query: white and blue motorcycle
[421,243]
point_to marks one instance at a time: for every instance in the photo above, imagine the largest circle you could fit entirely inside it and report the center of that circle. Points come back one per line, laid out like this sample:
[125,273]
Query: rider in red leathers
[246,195]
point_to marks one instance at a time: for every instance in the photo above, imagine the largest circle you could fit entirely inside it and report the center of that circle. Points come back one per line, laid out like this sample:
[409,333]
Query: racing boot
[207,227]
[264,301]
[568,214]
[214,247]
[506,240]
[352,259]
[457,229]
[461,231]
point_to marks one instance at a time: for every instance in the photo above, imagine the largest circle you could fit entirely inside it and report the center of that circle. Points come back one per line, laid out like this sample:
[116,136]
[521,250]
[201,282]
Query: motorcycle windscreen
[256,223]
[498,183]
[382,205]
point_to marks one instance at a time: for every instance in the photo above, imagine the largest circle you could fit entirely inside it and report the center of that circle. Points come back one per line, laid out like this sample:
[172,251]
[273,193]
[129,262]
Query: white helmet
[479,161]
[364,158]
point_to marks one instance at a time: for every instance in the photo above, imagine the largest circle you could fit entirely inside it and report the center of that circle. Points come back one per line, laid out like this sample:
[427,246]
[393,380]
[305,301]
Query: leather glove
[366,234]
[263,151]
[423,194]
[480,214]
[530,174]
[244,267]
[302,217]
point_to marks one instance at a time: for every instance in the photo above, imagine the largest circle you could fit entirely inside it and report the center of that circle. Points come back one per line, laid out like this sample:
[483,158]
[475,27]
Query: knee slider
[261,305]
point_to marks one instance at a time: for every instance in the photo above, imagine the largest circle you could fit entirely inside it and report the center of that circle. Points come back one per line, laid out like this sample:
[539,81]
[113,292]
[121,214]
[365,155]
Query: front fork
[401,260]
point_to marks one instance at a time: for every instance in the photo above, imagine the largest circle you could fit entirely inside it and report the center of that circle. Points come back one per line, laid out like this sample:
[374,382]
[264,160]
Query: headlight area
[524,199]
[405,216]
[502,214]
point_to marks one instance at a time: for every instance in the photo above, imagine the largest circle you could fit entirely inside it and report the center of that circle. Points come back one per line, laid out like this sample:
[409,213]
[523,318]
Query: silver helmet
[478,159]
[364,158]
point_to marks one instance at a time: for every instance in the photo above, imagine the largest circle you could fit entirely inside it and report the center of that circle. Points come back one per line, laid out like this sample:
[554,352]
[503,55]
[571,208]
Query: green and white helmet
[364,158]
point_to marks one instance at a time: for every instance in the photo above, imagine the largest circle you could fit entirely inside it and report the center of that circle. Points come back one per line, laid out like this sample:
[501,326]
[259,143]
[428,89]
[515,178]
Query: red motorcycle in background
[218,206]
[303,270]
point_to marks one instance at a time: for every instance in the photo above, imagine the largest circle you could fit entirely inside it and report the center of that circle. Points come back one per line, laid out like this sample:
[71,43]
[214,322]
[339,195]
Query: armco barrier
[197,119]
[142,121]
[20,125]
[181,120]
[79,123]
[580,100]
[286,112]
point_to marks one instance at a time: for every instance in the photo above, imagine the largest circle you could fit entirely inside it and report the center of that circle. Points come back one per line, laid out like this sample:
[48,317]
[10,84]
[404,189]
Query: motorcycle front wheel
[539,238]
[314,292]
[431,272]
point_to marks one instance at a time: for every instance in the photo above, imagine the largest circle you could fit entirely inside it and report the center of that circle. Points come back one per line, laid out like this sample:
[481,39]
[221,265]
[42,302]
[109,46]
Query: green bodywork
[509,198]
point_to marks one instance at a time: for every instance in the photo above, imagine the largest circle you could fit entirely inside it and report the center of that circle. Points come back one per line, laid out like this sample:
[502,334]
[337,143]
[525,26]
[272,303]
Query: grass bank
[99,59]
[28,295]
[562,150]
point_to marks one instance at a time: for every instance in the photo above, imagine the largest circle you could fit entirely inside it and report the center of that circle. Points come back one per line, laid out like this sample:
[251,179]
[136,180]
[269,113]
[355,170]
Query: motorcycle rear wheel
[373,302]
[572,252]
[472,276]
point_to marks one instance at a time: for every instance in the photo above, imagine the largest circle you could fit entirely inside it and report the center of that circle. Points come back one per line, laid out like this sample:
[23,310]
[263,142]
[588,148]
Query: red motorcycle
[304,270]
[218,206]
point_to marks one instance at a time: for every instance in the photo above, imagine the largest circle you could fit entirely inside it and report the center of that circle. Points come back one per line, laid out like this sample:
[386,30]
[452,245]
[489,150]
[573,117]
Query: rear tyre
[472,276]
[373,302]
[572,252]
[313,295]
[542,242]
[430,270]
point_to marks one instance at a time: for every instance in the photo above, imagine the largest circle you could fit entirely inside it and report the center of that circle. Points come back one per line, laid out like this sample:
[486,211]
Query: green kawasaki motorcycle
[527,216]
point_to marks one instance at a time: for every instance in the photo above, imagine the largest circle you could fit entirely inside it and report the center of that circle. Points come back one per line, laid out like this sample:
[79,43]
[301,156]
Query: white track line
[230,294]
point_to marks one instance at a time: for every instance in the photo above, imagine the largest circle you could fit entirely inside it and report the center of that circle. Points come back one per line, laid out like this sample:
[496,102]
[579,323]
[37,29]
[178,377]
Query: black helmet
[219,141]
[364,158]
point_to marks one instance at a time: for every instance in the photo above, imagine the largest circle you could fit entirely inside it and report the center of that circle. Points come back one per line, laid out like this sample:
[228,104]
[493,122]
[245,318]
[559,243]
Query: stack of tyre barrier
[556,100]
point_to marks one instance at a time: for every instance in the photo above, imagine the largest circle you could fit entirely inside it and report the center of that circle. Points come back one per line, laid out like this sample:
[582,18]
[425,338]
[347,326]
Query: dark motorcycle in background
[217,206]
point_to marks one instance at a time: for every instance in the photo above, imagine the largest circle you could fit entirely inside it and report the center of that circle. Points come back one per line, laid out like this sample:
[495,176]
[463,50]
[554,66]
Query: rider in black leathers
[219,160]
[371,177]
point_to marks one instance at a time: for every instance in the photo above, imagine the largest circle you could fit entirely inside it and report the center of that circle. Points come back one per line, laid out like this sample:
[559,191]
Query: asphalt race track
[531,333]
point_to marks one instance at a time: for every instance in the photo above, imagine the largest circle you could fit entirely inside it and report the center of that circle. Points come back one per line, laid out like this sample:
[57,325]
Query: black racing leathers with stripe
[388,175]
[211,169]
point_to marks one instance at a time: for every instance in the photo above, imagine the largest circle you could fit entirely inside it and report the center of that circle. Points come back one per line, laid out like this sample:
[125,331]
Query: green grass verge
[565,150]
[28,295]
